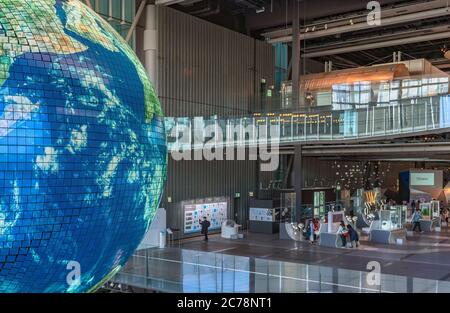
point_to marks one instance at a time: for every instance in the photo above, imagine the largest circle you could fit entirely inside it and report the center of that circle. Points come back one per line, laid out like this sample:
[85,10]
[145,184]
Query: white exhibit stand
[230,230]
[328,236]
[156,234]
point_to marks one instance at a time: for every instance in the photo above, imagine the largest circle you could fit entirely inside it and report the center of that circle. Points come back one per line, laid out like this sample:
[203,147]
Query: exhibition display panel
[393,218]
[264,217]
[431,217]
[389,228]
[328,236]
[215,210]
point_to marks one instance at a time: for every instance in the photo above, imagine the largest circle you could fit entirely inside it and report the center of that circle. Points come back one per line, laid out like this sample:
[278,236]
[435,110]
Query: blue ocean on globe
[82,148]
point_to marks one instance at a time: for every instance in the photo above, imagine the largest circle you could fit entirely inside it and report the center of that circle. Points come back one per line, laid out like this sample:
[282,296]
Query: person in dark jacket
[205,225]
[353,235]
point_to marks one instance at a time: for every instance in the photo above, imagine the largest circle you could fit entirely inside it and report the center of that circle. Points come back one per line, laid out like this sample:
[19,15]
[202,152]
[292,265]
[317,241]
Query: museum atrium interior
[313,137]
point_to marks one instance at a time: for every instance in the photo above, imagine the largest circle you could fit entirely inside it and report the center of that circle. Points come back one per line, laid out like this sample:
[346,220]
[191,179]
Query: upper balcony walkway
[361,123]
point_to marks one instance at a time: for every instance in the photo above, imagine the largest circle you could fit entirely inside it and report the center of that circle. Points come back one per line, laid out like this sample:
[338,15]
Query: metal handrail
[398,119]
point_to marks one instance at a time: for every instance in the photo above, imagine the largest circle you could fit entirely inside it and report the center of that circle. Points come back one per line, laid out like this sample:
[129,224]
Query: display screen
[422,179]
[261,214]
[216,214]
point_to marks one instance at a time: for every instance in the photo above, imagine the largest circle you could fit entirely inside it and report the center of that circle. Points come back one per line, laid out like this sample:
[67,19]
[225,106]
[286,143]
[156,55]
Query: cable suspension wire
[388,56]
[377,60]
[404,53]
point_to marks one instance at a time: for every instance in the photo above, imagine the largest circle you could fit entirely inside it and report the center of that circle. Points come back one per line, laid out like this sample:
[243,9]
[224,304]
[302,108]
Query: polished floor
[263,263]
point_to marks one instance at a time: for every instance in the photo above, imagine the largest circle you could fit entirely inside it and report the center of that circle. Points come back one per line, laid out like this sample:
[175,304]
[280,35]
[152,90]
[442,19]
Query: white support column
[110,10]
[151,44]
[123,15]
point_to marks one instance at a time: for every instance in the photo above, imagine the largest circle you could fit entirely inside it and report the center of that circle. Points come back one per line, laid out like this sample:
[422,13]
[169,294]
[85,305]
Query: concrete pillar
[298,181]
[296,54]
[151,44]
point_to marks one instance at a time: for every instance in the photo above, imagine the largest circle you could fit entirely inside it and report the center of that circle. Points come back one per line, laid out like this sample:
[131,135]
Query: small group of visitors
[348,234]
[312,230]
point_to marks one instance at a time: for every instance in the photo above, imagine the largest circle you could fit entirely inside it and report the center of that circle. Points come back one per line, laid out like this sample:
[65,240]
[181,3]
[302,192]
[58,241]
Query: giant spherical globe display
[82,148]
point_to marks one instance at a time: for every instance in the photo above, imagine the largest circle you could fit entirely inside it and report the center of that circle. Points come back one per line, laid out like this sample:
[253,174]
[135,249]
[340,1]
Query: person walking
[417,216]
[205,225]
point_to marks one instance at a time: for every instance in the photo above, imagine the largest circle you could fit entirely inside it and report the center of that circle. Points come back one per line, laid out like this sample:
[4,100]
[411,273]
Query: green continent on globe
[19,20]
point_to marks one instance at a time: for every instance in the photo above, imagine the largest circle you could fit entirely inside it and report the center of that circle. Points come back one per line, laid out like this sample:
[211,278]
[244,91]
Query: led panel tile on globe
[82,147]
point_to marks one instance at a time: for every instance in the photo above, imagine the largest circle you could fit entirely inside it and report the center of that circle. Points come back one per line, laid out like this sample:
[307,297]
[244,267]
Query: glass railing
[179,270]
[414,116]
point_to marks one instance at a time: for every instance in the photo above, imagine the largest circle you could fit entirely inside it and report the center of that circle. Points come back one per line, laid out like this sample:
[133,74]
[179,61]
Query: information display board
[262,214]
[334,220]
[422,179]
[216,214]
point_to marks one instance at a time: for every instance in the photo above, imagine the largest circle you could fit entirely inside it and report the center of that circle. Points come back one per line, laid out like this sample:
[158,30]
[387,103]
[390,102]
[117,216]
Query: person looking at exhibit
[312,237]
[353,236]
[313,230]
[205,225]
[417,216]
[316,228]
[343,233]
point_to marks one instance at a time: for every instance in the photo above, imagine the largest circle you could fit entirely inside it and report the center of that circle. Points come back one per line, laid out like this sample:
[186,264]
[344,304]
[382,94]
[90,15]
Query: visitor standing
[205,225]
[343,233]
[417,216]
[353,236]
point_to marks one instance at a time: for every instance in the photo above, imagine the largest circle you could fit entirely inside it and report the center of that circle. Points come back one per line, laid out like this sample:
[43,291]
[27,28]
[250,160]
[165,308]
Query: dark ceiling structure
[338,31]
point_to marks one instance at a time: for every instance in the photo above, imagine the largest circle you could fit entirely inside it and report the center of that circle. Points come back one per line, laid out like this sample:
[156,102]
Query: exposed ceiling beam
[443,66]
[285,35]
[381,37]
[376,45]
[346,61]
[252,4]
[168,2]
[380,150]
[281,12]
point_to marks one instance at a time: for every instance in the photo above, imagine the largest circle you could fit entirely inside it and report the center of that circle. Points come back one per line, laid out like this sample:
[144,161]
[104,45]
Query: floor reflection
[181,270]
